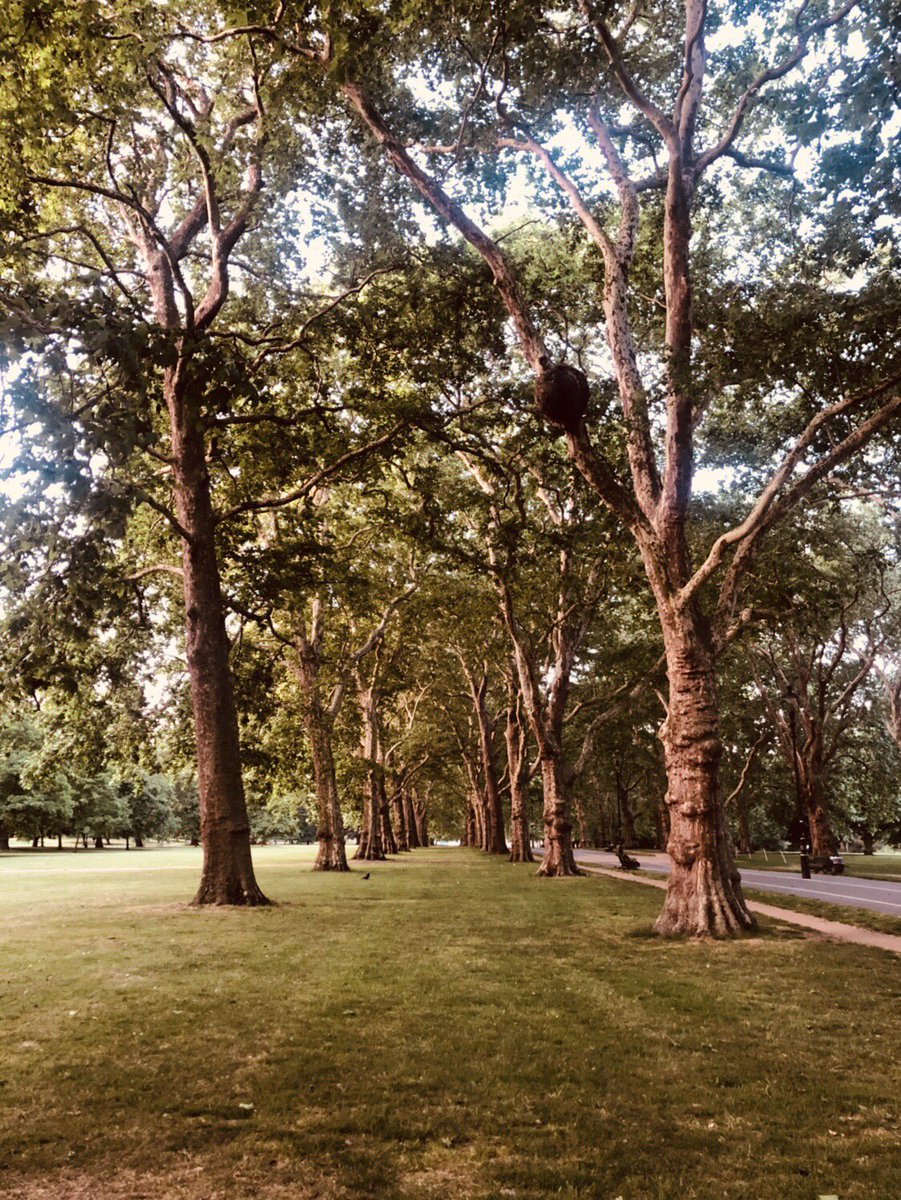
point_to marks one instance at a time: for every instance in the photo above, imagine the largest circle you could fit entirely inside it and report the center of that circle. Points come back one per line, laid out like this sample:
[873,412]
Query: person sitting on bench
[626,861]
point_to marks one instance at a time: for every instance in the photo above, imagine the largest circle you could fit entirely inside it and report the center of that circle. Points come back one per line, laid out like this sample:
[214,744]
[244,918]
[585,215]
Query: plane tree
[520,81]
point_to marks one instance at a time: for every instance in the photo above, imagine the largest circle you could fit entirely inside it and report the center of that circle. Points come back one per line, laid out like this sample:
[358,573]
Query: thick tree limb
[271,502]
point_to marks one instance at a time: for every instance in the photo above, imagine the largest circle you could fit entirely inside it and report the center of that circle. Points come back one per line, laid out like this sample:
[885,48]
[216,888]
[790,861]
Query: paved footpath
[832,929]
[876,895]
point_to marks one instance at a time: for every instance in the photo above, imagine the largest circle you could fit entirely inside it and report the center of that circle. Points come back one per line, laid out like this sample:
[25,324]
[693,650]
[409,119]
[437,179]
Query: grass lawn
[861,866]
[454,1027]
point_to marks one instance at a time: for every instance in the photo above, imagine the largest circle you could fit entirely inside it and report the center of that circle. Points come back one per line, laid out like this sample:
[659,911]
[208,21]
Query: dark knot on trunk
[561,395]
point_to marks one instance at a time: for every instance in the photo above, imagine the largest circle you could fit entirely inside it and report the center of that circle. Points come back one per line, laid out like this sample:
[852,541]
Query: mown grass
[860,866]
[453,1027]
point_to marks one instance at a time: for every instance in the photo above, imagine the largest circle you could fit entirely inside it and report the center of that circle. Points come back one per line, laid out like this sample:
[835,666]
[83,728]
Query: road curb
[837,930]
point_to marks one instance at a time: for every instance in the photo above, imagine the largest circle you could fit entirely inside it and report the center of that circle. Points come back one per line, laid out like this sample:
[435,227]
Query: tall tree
[696,111]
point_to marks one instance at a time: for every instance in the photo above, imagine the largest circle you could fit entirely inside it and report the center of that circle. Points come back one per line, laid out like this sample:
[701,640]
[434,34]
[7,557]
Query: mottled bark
[704,892]
[661,825]
[558,856]
[227,876]
[822,838]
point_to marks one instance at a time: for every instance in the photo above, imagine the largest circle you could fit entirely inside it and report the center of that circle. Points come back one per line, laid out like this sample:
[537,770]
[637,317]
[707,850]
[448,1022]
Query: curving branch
[795,56]
[268,503]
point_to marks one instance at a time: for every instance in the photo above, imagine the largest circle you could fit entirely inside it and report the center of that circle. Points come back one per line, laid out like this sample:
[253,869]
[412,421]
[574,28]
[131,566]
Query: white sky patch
[709,480]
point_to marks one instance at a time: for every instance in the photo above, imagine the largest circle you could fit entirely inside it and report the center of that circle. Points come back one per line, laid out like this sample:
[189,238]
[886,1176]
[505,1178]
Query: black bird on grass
[368,873]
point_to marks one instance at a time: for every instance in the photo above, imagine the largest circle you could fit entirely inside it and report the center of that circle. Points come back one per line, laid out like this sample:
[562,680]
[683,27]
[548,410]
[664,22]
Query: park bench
[626,861]
[827,864]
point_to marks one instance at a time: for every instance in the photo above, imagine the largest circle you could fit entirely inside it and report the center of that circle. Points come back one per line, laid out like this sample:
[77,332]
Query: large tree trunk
[389,841]
[410,817]
[319,721]
[478,809]
[4,838]
[822,839]
[558,856]
[331,854]
[495,841]
[421,809]
[370,847]
[227,876]
[400,817]
[704,896]
[518,769]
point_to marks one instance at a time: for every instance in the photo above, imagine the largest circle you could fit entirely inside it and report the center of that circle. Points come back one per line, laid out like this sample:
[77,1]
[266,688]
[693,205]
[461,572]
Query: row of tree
[245,307]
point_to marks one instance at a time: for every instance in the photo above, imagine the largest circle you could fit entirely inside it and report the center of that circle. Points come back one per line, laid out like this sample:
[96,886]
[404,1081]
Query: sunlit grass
[452,1027]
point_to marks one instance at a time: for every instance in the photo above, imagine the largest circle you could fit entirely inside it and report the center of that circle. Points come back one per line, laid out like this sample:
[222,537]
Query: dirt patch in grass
[184,1181]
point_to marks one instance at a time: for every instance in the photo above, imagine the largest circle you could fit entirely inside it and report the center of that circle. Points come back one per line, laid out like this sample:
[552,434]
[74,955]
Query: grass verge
[864,917]
[858,866]
[453,1027]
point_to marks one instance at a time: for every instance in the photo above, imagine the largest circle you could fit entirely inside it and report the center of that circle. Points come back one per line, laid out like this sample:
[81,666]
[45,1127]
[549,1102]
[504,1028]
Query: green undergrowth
[452,1027]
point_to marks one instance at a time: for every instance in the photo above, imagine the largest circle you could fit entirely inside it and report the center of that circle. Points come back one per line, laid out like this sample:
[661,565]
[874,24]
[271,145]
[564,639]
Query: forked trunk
[704,896]
[558,856]
[227,876]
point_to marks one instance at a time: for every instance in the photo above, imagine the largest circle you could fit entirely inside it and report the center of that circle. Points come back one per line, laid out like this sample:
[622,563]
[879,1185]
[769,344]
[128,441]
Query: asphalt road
[874,894]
